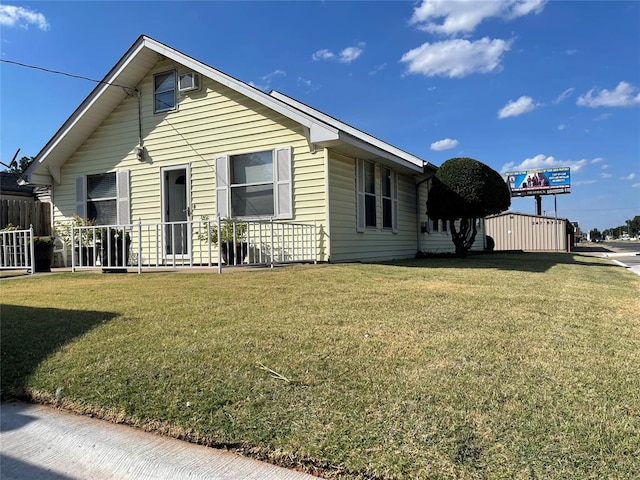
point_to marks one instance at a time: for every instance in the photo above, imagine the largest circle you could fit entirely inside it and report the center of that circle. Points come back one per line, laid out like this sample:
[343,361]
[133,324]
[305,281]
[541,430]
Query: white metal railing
[198,243]
[17,250]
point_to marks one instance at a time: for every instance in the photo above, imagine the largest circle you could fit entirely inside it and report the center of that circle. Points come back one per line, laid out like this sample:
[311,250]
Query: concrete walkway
[43,443]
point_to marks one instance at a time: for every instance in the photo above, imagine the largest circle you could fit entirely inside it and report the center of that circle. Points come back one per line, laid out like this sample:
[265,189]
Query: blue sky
[516,84]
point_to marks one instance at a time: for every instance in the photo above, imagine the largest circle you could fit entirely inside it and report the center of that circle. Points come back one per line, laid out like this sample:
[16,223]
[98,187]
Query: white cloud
[323,54]
[452,17]
[629,177]
[606,175]
[564,95]
[312,87]
[570,51]
[543,161]
[12,16]
[266,86]
[515,108]
[603,116]
[378,68]
[276,73]
[346,55]
[444,144]
[598,160]
[636,185]
[624,95]
[562,126]
[456,58]
[585,182]
[350,54]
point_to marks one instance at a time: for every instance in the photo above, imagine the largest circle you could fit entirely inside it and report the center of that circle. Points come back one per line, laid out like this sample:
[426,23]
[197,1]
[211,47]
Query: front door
[176,201]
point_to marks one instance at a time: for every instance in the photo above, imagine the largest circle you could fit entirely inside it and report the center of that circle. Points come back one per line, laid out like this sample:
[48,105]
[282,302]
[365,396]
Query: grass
[497,366]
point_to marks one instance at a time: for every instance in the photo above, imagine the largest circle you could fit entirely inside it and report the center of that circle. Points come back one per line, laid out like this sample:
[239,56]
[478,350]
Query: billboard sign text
[548,181]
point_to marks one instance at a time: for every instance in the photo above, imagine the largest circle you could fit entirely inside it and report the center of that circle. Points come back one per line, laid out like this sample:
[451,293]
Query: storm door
[176,212]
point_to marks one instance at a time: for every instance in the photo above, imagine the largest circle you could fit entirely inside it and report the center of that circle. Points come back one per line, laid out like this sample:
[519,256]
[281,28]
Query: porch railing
[199,243]
[17,250]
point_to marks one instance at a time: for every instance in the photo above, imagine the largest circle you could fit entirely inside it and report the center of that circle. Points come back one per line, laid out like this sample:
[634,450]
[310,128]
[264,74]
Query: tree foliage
[631,227]
[21,165]
[463,190]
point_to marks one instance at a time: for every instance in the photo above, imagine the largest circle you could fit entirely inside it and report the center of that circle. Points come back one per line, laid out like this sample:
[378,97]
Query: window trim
[156,92]
[282,183]
[367,194]
[361,195]
[272,183]
[113,198]
[122,198]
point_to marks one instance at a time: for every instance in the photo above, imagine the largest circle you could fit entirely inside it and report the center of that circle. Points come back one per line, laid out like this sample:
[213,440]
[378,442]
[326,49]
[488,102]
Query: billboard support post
[555,208]
[538,205]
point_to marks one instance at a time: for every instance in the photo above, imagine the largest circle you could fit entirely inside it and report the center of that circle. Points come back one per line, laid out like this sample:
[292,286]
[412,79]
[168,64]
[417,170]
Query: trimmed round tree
[463,190]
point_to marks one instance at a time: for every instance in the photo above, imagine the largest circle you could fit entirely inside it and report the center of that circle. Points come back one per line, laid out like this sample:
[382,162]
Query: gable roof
[122,80]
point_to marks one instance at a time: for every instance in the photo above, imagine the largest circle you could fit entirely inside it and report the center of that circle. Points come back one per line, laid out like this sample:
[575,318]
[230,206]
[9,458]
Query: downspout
[140,140]
[140,154]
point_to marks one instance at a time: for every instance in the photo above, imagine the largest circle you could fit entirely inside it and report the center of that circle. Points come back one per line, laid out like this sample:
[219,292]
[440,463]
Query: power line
[57,72]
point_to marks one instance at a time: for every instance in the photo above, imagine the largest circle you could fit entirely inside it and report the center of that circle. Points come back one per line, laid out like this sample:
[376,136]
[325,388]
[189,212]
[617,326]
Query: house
[165,143]
[10,190]
[522,231]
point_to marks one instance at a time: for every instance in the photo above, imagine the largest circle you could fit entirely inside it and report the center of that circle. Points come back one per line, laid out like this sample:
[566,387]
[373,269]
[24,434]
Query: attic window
[164,92]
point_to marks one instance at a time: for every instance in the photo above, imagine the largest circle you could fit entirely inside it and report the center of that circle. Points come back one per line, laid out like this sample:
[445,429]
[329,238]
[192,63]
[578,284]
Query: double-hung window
[254,185]
[370,214]
[370,198]
[104,198]
[164,92]
[387,200]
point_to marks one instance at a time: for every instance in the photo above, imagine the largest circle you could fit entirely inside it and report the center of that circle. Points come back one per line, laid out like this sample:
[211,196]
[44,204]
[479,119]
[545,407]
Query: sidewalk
[43,443]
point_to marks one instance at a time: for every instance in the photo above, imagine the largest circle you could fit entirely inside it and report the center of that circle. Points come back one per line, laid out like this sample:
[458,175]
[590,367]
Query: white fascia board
[35,179]
[318,129]
[353,132]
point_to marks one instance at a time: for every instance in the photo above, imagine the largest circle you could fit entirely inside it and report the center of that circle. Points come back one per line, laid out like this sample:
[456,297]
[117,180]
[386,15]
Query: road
[623,246]
[625,253]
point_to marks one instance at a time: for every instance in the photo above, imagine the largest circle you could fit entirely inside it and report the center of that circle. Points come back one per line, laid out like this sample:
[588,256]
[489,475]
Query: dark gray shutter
[81,196]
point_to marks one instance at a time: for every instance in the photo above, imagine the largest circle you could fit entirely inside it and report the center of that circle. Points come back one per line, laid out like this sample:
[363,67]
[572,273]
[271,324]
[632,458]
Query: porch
[216,243]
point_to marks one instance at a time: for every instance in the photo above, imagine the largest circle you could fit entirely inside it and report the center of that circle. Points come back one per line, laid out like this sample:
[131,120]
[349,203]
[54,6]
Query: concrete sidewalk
[43,443]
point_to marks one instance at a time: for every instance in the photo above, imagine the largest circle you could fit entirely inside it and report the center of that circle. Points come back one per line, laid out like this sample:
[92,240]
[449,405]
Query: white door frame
[164,210]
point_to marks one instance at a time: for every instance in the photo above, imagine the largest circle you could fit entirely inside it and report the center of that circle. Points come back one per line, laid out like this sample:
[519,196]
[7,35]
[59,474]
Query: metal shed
[521,231]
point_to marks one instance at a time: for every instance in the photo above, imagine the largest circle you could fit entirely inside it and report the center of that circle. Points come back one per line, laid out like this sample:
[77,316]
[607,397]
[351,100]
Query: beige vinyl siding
[212,121]
[346,244]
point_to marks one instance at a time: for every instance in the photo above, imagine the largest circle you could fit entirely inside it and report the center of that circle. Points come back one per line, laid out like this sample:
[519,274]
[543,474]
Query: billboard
[548,181]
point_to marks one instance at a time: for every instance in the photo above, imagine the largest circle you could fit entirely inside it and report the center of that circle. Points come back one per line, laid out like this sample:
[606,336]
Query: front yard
[497,366]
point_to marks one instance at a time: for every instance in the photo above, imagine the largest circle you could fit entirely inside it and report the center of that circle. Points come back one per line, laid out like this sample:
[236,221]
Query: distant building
[521,231]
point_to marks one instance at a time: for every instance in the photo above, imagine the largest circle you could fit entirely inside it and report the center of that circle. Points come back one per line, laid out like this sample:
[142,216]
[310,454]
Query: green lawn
[495,366]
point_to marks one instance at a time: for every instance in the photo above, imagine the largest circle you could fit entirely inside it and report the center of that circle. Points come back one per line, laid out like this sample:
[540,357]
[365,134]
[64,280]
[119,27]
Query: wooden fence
[23,213]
